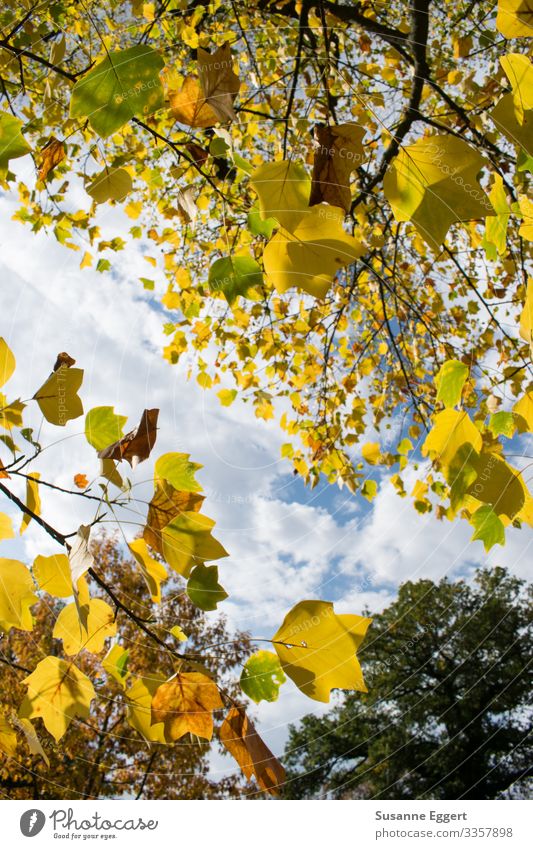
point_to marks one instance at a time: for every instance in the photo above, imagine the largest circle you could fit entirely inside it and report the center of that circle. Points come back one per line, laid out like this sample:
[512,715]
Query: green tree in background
[448,715]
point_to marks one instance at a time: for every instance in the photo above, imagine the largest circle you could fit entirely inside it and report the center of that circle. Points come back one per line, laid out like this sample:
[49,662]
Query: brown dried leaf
[51,155]
[63,359]
[339,151]
[186,704]
[253,755]
[136,445]
[219,83]
[166,504]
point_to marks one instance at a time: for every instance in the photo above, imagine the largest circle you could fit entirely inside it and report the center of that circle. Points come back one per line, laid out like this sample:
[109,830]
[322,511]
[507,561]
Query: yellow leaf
[513,114]
[112,184]
[53,575]
[6,527]
[57,692]
[254,757]
[139,701]
[90,634]
[7,362]
[526,317]
[309,257]
[526,227]
[33,500]
[16,595]
[317,649]
[283,189]
[32,739]
[188,539]
[451,430]
[524,408]
[371,452]
[186,704]
[515,18]
[153,572]
[433,183]
[58,398]
[87,260]
[227,396]
[8,737]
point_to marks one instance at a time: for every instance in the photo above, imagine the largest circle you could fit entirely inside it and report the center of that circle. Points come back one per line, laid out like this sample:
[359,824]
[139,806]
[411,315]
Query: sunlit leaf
[57,692]
[262,676]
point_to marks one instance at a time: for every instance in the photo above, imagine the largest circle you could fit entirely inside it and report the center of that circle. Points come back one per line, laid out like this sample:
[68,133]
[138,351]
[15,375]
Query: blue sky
[286,542]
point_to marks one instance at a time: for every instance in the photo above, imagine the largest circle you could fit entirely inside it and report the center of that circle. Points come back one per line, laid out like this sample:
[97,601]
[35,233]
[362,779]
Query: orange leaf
[136,445]
[253,755]
[81,481]
[166,504]
[51,155]
[189,106]
[185,704]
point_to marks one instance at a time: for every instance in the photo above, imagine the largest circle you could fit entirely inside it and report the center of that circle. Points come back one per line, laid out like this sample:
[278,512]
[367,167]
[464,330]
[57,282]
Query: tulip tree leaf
[57,692]
[488,527]
[203,588]
[450,381]
[103,426]
[233,276]
[317,649]
[12,142]
[262,677]
[433,183]
[123,85]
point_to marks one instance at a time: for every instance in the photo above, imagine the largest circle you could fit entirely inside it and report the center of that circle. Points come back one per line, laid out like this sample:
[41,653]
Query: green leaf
[262,677]
[12,142]
[188,539]
[125,84]
[203,588]
[450,381]
[233,276]
[110,184]
[115,664]
[283,189]
[503,423]
[103,427]
[178,470]
[259,226]
[488,527]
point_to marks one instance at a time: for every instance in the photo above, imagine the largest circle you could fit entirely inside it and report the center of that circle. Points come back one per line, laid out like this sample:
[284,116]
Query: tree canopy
[448,713]
[332,203]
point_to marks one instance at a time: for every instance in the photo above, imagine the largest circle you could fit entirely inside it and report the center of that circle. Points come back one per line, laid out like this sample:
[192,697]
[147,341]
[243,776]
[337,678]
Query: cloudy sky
[286,543]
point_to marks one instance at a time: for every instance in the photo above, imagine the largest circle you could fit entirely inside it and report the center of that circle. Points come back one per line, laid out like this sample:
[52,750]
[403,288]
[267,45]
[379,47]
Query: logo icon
[32,822]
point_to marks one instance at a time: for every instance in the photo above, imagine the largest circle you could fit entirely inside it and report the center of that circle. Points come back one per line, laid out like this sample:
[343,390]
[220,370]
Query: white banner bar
[240,824]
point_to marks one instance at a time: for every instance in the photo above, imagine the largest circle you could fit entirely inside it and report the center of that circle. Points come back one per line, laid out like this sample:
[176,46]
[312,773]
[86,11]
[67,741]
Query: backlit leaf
[103,426]
[152,570]
[262,677]
[203,588]
[178,470]
[317,649]
[123,85]
[488,527]
[53,575]
[233,276]
[16,595]
[58,396]
[450,381]
[186,704]
[187,540]
[115,664]
[57,692]
[254,757]
[433,183]
[12,142]
[7,362]
[110,184]
[98,624]
[33,500]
